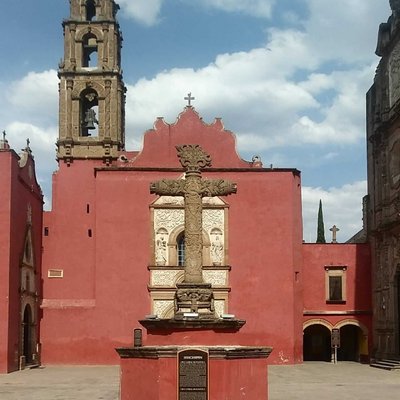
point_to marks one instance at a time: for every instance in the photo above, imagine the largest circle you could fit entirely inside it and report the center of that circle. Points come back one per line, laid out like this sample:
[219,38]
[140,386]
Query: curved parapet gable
[159,143]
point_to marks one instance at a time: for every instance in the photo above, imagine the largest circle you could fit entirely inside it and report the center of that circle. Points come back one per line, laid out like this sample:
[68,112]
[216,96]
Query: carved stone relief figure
[161,247]
[394,75]
[217,247]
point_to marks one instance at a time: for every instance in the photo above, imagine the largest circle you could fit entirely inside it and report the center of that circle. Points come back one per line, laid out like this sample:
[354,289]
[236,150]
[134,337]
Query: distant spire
[321,227]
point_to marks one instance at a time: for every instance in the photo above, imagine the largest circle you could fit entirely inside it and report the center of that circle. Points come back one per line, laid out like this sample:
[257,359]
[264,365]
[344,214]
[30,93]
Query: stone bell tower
[92,93]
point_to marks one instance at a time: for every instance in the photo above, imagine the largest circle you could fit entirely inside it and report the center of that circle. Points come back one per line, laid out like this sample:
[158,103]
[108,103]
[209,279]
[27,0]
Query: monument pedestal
[194,372]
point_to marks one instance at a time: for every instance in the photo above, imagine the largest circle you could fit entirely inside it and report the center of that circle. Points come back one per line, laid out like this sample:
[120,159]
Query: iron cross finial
[189,99]
[4,135]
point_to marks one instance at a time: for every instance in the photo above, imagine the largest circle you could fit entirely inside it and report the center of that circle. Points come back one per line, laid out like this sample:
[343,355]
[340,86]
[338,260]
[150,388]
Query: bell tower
[92,92]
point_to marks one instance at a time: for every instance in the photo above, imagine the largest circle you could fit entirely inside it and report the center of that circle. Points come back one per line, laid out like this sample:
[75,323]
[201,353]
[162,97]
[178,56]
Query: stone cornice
[217,352]
[112,168]
[169,325]
[337,312]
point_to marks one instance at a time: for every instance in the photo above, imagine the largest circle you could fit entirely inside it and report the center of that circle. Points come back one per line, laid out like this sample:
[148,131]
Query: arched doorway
[27,332]
[349,343]
[317,343]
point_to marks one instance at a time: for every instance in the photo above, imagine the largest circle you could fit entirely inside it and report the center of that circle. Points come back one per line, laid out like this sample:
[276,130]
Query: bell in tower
[92,92]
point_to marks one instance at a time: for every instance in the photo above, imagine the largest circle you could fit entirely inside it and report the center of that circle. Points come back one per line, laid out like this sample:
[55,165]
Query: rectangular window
[335,284]
[335,288]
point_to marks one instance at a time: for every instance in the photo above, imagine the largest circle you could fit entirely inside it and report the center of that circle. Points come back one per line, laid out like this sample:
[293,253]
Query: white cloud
[343,118]
[33,98]
[257,8]
[345,30]
[342,206]
[146,12]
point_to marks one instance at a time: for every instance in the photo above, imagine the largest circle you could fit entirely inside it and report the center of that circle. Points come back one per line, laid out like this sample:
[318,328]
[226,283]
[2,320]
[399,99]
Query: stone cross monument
[334,231]
[193,295]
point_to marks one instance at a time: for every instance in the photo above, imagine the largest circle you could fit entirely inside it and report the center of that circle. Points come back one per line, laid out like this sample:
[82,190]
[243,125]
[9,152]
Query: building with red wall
[112,251]
[100,270]
[337,295]
[21,207]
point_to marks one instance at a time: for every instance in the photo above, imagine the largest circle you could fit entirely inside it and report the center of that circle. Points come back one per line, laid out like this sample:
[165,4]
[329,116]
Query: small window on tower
[90,10]
[89,51]
[89,113]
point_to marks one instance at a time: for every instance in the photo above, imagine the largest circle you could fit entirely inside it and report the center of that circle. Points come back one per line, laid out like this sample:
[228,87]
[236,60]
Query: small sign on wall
[335,338]
[55,273]
[192,374]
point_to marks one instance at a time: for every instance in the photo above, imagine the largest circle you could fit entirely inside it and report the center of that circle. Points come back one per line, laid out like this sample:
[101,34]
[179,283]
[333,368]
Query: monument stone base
[194,372]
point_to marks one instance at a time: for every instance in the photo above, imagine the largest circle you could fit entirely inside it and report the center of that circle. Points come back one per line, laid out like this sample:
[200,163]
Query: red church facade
[101,242]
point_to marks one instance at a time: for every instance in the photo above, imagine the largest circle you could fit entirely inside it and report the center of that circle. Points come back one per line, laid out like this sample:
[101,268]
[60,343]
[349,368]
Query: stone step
[386,364]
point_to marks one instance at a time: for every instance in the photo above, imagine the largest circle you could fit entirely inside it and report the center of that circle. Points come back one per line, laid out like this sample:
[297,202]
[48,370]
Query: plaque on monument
[192,375]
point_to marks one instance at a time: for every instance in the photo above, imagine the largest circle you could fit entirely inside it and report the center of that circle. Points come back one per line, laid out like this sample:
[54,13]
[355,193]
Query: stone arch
[172,246]
[353,341]
[169,312]
[317,321]
[28,333]
[81,33]
[82,86]
[344,322]
[179,277]
[317,340]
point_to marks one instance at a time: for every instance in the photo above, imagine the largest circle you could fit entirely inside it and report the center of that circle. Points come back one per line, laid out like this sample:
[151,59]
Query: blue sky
[287,76]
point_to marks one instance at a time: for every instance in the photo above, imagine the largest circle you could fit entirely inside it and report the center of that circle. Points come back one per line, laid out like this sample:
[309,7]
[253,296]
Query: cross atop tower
[189,99]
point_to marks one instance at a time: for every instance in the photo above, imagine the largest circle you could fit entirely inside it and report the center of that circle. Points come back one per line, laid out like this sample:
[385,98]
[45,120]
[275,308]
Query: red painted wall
[358,307]
[5,194]
[18,189]
[103,294]
[229,379]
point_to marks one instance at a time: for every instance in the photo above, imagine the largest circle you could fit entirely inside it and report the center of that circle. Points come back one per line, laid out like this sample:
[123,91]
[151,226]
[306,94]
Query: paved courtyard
[310,381]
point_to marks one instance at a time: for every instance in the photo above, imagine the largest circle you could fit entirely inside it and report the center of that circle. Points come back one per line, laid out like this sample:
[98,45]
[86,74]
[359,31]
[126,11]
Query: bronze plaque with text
[192,375]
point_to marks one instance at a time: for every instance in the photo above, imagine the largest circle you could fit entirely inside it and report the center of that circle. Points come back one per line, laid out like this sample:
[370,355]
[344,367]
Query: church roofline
[294,171]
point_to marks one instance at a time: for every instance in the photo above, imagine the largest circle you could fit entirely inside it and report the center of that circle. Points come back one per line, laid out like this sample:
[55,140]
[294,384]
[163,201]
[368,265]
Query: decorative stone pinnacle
[394,5]
[193,158]
[27,148]
[4,143]
[189,99]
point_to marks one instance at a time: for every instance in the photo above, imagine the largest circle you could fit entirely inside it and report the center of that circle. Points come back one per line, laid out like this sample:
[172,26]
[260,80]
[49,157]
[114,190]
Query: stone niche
[166,267]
